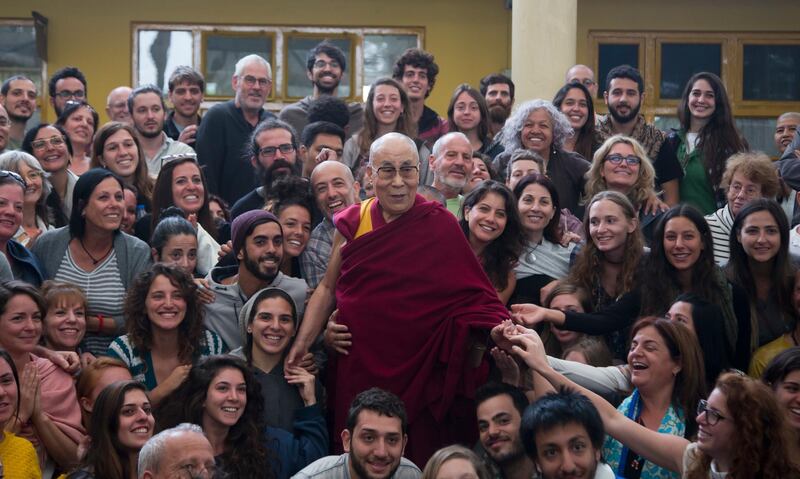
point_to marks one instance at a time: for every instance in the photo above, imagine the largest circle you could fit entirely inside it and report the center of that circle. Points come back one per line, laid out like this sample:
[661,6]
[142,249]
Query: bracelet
[100,319]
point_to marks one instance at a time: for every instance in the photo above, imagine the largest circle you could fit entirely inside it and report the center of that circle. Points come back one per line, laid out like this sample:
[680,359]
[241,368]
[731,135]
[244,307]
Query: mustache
[269,256]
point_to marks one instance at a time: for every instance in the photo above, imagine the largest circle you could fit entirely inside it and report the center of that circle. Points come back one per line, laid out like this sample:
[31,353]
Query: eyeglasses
[323,64]
[251,81]
[268,152]
[389,172]
[712,415]
[66,94]
[616,159]
[4,121]
[13,176]
[55,142]
[191,471]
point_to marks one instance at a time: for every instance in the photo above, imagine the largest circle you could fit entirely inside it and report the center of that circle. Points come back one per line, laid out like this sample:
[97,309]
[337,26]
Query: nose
[183,262]
[568,464]
[380,448]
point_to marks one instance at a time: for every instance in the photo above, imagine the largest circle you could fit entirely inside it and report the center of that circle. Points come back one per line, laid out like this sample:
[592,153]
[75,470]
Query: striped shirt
[104,295]
[140,363]
[720,223]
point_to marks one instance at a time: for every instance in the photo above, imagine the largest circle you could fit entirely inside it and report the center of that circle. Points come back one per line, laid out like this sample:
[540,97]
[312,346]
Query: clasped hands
[521,342]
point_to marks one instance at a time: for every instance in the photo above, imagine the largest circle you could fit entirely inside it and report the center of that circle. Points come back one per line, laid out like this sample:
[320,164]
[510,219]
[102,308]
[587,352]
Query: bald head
[117,104]
[785,130]
[451,162]
[585,75]
[393,140]
[166,454]
[394,171]
[334,187]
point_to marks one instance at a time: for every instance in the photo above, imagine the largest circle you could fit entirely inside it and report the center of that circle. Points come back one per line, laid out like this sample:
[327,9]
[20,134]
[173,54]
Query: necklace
[95,261]
[530,256]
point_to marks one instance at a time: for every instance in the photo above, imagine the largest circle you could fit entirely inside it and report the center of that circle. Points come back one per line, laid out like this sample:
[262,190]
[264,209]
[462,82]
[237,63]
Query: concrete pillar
[543,41]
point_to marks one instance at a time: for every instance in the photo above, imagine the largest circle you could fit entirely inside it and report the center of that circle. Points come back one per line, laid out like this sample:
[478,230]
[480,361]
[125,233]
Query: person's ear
[346,440]
[405,442]
[85,404]
[234,83]
[154,254]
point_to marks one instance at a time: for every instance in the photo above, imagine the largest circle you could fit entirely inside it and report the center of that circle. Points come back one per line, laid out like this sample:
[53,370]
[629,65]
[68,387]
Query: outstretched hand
[528,346]
[528,314]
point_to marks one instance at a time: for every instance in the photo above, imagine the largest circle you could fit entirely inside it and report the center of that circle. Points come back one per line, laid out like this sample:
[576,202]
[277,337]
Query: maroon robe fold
[411,291]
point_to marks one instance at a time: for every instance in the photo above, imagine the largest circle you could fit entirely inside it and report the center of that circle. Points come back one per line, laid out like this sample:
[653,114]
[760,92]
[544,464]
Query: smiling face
[186,98]
[333,187]
[120,155]
[33,178]
[263,251]
[576,108]
[740,191]
[129,212]
[479,172]
[375,445]
[487,219]
[785,129]
[136,420]
[415,81]
[535,208]
[623,176]
[609,227]
[181,251]
[53,158]
[20,101]
[273,326]
[456,468]
[325,74]
[11,204]
[226,399]
[760,236]
[623,99]
[701,100]
[521,169]
[5,127]
[20,325]
[165,305]
[80,126]
[715,440]
[566,451]
[787,392]
[498,428]
[537,132]
[296,224]
[466,113]
[650,362]
[682,243]
[188,192]
[395,195]
[9,392]
[65,325]
[104,208]
[252,87]
[387,105]
[452,167]
[681,312]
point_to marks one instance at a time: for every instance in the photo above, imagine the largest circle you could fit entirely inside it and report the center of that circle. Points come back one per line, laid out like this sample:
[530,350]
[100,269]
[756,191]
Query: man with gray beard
[451,162]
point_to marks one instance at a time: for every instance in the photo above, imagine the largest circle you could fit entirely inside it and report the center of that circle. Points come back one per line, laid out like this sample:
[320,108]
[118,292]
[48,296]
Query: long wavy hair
[585,136]
[405,123]
[108,457]
[643,188]
[191,333]
[483,124]
[684,349]
[763,445]
[245,454]
[660,285]
[782,276]
[553,231]
[588,267]
[719,138]
[500,255]
[141,179]
[162,195]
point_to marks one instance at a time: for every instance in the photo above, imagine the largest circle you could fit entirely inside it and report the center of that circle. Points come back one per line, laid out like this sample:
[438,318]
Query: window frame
[204,36]
[41,74]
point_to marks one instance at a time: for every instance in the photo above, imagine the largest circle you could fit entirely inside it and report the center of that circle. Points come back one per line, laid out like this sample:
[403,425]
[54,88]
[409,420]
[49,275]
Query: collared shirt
[169,147]
[314,260]
[336,467]
[172,129]
[645,133]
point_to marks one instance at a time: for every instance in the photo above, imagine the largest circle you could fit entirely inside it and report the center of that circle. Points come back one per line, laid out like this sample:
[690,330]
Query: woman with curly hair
[122,421]
[164,320]
[575,101]
[538,126]
[621,164]
[742,430]
[492,226]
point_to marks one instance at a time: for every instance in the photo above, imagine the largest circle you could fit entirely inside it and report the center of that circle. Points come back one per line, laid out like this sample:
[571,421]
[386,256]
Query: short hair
[60,292]
[329,108]
[11,161]
[312,130]
[522,154]
[625,71]
[253,58]
[495,78]
[510,135]
[153,449]
[439,144]
[186,74]
[494,389]
[378,144]
[13,288]
[73,106]
[559,409]
[785,362]
[7,84]
[267,125]
[417,58]
[380,401]
[66,72]
[150,88]
[783,116]
[454,451]
[327,48]
[756,167]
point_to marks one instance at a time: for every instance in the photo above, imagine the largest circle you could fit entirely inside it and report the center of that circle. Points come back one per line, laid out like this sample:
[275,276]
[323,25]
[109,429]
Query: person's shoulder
[328,467]
[138,246]
[51,236]
[406,470]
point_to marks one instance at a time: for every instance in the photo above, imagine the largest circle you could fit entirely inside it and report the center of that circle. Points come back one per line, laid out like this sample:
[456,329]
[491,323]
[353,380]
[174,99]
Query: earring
[250,330]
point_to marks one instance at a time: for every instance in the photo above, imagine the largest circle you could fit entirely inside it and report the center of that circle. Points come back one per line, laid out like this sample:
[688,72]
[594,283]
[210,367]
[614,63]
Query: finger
[340,350]
[344,344]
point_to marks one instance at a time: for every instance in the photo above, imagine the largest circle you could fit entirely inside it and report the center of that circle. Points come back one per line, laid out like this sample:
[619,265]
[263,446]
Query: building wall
[469,38]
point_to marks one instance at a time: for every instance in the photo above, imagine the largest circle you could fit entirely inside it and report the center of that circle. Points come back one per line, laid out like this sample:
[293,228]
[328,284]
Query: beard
[325,89]
[18,118]
[269,175]
[499,113]
[361,470]
[253,266]
[634,112]
[515,453]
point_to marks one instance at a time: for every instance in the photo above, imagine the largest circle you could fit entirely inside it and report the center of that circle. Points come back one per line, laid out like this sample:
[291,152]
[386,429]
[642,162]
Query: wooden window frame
[42,74]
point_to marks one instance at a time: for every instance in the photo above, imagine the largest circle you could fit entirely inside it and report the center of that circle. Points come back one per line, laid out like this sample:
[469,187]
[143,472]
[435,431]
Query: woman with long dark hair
[80,121]
[469,114]
[117,148]
[575,101]
[492,226]
[16,454]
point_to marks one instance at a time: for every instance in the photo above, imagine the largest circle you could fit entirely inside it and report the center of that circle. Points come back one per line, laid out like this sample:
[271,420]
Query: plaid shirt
[314,260]
[645,133]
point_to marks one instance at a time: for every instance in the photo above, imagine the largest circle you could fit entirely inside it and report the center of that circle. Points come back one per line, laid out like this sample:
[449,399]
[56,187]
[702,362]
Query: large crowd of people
[372,291]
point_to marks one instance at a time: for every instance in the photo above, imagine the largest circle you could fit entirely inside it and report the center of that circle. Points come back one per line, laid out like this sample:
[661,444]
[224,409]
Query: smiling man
[146,105]
[411,291]
[451,162]
[226,129]
[499,410]
[18,96]
[257,240]
[416,70]
[186,86]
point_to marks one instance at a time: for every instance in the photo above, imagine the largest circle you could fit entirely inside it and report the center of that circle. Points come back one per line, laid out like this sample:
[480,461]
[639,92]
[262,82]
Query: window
[614,54]
[214,50]
[19,56]
[761,72]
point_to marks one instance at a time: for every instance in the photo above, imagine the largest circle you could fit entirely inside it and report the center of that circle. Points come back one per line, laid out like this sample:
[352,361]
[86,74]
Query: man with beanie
[257,240]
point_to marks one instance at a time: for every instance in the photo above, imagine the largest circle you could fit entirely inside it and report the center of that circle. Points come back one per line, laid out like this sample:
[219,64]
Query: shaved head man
[585,75]
[451,162]
[117,105]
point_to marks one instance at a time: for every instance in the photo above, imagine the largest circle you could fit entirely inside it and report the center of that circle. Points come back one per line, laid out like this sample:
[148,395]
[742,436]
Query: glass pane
[18,55]
[612,55]
[222,53]
[380,53]
[298,47]
[665,123]
[772,72]
[679,61]
[160,51]
[760,134]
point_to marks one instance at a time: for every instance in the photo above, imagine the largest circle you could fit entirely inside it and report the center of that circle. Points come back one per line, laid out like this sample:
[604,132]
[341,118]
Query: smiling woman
[35,212]
[117,148]
[80,121]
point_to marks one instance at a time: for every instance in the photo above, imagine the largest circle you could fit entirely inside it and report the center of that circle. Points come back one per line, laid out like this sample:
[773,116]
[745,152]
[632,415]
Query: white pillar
[543,42]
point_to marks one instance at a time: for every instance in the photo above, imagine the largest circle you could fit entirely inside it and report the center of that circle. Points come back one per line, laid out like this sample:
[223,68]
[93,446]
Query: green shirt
[695,186]
[454,205]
